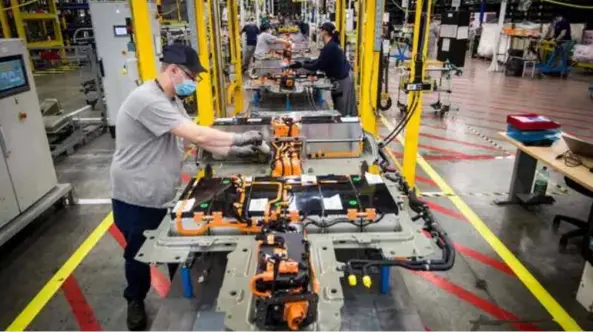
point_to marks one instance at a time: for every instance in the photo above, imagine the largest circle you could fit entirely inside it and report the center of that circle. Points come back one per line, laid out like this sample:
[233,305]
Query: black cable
[403,123]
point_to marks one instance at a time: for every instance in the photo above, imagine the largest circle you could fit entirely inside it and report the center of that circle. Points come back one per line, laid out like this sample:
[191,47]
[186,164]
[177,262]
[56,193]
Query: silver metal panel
[113,51]
[57,193]
[344,136]
[27,152]
[9,207]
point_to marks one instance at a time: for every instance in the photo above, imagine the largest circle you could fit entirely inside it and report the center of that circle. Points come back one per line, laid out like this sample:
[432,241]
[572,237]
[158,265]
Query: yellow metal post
[145,52]
[415,98]
[178,10]
[204,91]
[370,66]
[341,21]
[359,38]
[235,48]
[53,9]
[217,96]
[18,20]
[4,21]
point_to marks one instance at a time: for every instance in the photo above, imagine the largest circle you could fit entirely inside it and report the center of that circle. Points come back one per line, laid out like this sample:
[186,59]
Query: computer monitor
[578,146]
[13,76]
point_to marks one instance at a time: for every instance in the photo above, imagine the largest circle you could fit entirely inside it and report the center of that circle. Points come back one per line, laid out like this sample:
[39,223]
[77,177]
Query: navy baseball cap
[328,26]
[179,54]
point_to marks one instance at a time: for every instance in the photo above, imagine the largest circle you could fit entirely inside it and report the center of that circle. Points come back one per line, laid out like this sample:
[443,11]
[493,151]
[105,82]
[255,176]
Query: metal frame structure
[341,6]
[235,89]
[145,51]
[417,70]
[205,89]
[396,235]
[51,15]
[4,21]
[370,49]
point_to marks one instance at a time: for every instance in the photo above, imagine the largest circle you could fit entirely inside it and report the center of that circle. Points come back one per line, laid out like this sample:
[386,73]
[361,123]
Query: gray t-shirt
[147,162]
[264,40]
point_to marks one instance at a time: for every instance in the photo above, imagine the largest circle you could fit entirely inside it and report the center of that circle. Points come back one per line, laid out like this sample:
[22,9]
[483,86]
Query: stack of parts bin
[533,129]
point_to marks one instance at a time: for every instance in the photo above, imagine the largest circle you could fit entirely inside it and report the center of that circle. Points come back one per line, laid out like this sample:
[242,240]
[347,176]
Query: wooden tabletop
[548,156]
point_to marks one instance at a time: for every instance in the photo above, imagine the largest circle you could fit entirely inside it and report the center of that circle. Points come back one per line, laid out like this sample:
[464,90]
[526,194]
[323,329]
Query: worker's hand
[248,137]
[296,65]
[243,151]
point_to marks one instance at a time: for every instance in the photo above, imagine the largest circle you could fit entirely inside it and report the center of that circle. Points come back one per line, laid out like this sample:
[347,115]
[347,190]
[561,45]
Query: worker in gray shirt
[146,166]
[265,40]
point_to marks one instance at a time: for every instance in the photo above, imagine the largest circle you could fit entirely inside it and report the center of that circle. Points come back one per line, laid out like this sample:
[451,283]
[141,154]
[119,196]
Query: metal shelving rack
[50,15]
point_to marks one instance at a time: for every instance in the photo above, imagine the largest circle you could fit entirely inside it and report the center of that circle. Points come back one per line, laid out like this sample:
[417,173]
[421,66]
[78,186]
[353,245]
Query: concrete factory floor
[481,292]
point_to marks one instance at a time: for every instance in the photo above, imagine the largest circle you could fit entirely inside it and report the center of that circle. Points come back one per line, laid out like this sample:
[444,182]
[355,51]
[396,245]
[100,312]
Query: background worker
[251,31]
[560,29]
[266,39]
[333,62]
[147,162]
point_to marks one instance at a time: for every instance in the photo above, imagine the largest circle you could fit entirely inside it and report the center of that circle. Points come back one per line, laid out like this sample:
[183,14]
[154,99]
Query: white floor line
[94,201]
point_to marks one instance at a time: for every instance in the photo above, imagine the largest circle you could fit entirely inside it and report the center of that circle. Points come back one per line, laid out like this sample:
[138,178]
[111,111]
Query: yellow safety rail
[145,51]
[415,98]
[236,87]
[217,96]
[370,68]
[204,92]
[4,21]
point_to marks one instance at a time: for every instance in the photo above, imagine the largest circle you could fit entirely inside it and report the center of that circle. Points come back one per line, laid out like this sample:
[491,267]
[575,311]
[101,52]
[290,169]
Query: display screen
[120,31]
[13,76]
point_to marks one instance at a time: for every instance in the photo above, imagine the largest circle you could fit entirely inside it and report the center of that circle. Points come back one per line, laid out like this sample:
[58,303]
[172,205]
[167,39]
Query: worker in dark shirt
[251,31]
[333,62]
[561,29]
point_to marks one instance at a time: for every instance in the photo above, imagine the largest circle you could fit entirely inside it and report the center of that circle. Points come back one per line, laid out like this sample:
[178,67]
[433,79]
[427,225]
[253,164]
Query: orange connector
[368,214]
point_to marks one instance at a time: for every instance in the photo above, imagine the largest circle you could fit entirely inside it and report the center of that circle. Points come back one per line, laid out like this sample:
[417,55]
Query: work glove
[296,65]
[243,151]
[248,137]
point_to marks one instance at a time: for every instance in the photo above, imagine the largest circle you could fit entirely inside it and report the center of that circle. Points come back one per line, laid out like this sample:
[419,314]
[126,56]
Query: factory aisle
[480,293]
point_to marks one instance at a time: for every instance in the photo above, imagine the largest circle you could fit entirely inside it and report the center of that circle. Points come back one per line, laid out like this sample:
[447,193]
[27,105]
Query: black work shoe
[136,315]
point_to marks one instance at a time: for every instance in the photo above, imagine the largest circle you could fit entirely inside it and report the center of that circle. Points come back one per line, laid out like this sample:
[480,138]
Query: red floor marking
[442,138]
[85,317]
[525,107]
[441,150]
[456,157]
[492,262]
[506,111]
[441,209]
[487,260]
[159,282]
[426,180]
[475,300]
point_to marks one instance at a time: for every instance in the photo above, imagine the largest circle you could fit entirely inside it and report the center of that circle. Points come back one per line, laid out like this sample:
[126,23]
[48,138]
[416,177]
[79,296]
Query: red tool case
[531,121]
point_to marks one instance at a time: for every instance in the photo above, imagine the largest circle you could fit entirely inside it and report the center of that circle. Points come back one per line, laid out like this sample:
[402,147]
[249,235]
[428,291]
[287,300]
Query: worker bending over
[265,40]
[560,29]
[148,157]
[333,62]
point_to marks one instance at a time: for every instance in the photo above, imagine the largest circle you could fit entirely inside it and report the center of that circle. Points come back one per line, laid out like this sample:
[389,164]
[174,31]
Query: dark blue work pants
[132,221]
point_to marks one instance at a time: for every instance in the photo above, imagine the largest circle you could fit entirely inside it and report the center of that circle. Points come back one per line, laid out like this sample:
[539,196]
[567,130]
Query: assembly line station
[421,211]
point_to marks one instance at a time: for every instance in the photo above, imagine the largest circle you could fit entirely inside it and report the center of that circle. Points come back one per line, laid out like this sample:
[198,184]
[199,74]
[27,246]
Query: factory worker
[147,162]
[251,31]
[267,39]
[333,62]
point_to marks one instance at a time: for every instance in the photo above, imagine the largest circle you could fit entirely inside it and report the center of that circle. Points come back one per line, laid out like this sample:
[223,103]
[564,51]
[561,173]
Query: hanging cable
[567,4]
